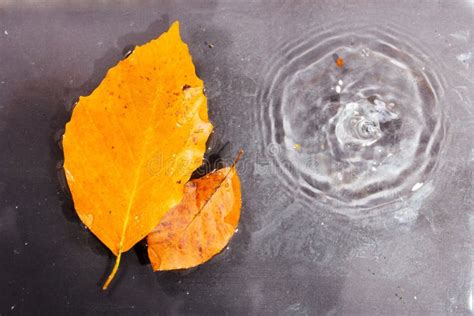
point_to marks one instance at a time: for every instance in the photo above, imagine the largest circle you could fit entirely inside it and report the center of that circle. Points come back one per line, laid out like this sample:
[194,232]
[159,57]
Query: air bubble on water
[417,186]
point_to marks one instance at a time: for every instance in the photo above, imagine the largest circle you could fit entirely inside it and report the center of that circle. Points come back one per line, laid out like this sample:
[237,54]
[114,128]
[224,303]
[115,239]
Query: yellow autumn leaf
[133,143]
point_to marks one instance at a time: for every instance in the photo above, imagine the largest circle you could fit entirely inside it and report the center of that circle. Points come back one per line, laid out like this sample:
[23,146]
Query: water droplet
[69,175]
[87,219]
[128,50]
[356,125]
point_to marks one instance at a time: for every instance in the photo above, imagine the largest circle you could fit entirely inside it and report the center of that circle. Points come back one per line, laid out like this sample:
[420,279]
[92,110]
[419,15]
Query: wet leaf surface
[201,225]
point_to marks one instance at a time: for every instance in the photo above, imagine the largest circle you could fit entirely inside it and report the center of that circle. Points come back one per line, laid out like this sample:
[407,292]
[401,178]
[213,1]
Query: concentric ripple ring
[355,115]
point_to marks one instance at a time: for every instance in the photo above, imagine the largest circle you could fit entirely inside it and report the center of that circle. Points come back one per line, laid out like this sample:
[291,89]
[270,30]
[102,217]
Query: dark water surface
[357,177]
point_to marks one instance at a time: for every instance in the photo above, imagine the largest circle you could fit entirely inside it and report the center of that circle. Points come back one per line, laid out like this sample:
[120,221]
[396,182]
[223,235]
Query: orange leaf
[132,144]
[200,226]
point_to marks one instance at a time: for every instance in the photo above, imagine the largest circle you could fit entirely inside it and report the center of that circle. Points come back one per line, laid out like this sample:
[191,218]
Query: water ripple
[352,117]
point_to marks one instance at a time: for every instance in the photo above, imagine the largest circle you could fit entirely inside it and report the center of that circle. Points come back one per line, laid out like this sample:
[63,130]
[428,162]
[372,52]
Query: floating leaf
[200,226]
[132,144]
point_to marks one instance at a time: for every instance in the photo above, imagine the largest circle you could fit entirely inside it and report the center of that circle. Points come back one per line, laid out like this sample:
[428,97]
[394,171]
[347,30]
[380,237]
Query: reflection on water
[353,117]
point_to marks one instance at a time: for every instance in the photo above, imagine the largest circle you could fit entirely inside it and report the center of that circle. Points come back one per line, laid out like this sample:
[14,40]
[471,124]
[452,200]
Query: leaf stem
[236,160]
[114,271]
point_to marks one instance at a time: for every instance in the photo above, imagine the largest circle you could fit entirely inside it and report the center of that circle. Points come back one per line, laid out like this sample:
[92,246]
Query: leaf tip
[174,27]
